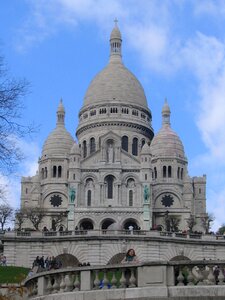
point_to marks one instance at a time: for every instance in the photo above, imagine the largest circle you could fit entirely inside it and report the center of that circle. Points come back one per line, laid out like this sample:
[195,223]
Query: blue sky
[176,48]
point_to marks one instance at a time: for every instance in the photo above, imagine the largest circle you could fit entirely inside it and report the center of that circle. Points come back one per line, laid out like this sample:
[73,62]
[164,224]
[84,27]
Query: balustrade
[182,273]
[80,233]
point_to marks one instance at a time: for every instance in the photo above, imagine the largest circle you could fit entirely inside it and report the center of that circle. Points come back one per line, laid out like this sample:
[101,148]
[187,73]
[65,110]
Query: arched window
[59,171]
[135,147]
[84,149]
[42,173]
[169,171]
[89,198]
[130,198]
[142,143]
[109,182]
[164,171]
[182,173]
[155,172]
[125,143]
[53,225]
[54,171]
[92,145]
[46,172]
[178,172]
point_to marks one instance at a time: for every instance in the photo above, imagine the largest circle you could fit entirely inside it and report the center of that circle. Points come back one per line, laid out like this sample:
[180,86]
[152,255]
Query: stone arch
[116,259]
[180,257]
[130,222]
[91,176]
[53,191]
[111,136]
[67,260]
[130,176]
[86,224]
[106,223]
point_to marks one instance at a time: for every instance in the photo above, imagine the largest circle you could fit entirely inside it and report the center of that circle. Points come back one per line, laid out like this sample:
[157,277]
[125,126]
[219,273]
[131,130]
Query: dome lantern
[115,43]
[60,114]
[166,114]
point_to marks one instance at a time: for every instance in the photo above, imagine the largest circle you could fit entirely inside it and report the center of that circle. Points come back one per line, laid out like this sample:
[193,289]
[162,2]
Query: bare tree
[12,92]
[6,214]
[221,230]
[207,220]
[35,215]
[59,218]
[191,222]
[20,216]
[171,222]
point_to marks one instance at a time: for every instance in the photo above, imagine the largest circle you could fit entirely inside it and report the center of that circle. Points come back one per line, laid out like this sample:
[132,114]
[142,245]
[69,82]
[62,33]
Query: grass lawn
[12,274]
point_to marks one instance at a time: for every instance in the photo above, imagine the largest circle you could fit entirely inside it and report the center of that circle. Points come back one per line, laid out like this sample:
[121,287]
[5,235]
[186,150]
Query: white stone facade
[119,172]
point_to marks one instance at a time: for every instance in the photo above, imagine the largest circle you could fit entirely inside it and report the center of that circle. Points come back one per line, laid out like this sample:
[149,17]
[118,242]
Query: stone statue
[110,153]
[72,194]
[146,193]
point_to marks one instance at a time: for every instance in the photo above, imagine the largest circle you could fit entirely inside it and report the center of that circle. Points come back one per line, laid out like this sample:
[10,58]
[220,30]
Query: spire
[60,113]
[115,43]
[166,114]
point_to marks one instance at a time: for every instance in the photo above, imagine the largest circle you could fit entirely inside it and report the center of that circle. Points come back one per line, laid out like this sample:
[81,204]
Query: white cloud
[205,57]
[209,7]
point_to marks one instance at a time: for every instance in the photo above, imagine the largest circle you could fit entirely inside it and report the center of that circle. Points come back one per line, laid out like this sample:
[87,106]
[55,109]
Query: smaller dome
[145,149]
[59,141]
[167,143]
[75,149]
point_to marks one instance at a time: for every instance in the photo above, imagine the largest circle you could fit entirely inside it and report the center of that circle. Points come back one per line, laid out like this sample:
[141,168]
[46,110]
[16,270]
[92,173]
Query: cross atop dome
[115,21]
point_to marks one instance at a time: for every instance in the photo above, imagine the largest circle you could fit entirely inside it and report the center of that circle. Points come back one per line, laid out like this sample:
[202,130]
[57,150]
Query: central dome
[115,83]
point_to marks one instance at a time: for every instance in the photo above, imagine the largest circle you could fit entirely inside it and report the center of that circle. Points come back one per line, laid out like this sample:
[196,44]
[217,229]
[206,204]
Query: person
[47,263]
[131,228]
[3,261]
[130,257]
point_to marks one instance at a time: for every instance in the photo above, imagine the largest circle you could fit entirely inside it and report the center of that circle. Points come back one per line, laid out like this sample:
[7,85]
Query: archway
[67,260]
[131,222]
[106,223]
[116,259]
[179,257]
[86,224]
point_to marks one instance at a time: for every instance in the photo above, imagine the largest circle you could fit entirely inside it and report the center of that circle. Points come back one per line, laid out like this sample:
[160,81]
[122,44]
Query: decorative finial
[116,21]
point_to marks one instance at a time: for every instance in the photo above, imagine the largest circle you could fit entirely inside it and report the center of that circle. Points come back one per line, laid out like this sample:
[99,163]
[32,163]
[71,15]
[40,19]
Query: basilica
[119,174]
